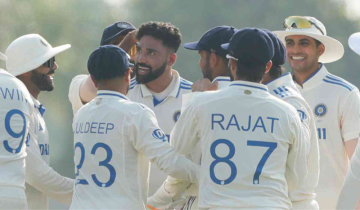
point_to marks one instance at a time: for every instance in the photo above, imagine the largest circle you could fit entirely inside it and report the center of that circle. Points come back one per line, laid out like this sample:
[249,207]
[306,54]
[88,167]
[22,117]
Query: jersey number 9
[12,133]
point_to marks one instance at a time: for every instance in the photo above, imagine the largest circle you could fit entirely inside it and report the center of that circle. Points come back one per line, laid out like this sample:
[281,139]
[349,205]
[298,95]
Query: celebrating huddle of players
[246,136]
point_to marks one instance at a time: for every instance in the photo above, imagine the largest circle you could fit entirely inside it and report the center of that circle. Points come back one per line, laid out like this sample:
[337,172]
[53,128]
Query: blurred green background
[81,23]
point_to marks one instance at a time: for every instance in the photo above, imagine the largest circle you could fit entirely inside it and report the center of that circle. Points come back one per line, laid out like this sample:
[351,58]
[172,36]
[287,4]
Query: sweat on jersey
[41,179]
[114,140]
[335,104]
[16,109]
[285,89]
[167,111]
[251,143]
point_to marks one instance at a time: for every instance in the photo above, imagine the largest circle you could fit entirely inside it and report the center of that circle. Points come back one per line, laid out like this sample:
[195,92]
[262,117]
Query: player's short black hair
[250,71]
[276,71]
[166,32]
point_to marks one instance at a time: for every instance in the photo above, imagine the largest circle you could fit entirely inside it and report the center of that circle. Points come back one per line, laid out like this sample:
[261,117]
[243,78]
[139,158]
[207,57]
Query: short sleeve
[350,116]
[74,92]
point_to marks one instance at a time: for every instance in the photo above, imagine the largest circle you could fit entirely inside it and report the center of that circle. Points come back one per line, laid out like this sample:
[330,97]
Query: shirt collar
[110,94]
[283,80]
[38,105]
[315,79]
[249,85]
[222,81]
[145,92]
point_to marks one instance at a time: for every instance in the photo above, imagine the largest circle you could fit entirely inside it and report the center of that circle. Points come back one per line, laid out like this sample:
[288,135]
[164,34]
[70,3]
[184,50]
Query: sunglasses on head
[50,63]
[300,23]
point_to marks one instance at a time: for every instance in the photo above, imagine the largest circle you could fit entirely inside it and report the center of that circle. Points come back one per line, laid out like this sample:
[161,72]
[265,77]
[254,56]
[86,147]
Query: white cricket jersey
[114,140]
[16,109]
[167,113]
[251,142]
[285,89]
[336,107]
[41,179]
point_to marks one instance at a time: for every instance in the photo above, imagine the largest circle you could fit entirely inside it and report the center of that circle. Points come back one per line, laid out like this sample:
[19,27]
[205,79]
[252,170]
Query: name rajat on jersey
[93,127]
[244,123]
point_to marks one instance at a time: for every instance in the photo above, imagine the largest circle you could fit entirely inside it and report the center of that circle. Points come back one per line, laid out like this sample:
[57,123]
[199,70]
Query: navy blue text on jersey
[12,94]
[93,127]
[245,123]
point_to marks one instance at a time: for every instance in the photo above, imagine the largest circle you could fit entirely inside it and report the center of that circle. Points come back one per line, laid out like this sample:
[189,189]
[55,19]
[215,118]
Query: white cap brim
[354,42]
[334,50]
[3,57]
[37,62]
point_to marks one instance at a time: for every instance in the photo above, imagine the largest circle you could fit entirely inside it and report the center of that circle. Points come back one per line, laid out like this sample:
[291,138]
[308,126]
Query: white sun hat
[354,42]
[2,57]
[334,50]
[28,52]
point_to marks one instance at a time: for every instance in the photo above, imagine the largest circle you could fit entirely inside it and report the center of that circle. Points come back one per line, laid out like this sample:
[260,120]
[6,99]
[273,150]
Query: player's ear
[268,66]
[172,59]
[128,75]
[94,81]
[213,60]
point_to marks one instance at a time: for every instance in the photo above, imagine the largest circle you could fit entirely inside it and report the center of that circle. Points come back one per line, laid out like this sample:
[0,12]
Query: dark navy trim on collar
[112,94]
[249,86]
[321,65]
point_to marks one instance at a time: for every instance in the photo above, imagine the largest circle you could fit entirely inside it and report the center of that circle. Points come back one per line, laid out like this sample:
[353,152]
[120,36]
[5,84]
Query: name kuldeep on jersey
[93,127]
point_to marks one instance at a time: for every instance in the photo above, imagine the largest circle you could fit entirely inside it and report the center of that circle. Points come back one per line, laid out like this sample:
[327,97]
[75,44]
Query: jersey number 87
[256,180]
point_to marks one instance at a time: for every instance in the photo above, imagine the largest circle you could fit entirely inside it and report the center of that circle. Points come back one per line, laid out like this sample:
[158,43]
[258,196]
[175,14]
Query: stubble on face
[43,81]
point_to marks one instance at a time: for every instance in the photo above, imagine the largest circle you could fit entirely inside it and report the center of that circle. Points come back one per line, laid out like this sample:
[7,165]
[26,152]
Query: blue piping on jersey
[249,86]
[337,83]
[111,94]
[156,102]
[185,84]
[185,81]
[182,87]
[277,78]
[224,80]
[340,81]
[321,65]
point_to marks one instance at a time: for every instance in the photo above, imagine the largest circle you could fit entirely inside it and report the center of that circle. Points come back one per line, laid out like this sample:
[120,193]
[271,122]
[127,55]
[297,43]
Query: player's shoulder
[338,84]
[280,106]
[79,78]
[184,87]
[133,84]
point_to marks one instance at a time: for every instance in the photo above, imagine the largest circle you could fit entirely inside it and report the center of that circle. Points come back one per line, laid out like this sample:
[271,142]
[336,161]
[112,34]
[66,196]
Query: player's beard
[151,75]
[207,71]
[42,81]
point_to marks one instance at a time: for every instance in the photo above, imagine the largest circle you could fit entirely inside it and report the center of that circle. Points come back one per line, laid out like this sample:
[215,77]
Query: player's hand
[204,85]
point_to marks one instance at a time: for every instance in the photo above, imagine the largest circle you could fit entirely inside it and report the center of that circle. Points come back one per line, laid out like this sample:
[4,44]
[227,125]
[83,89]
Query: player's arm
[168,193]
[129,41]
[350,192]
[350,121]
[81,91]
[148,139]
[296,165]
[44,178]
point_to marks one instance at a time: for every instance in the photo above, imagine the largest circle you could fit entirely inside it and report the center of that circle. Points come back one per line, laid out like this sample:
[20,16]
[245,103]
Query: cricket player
[350,192]
[82,89]
[283,87]
[32,59]
[334,101]
[251,142]
[213,64]
[16,108]
[156,84]
[115,138]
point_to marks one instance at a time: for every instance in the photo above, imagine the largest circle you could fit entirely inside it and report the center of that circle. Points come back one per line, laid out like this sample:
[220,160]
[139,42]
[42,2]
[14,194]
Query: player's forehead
[298,38]
[149,42]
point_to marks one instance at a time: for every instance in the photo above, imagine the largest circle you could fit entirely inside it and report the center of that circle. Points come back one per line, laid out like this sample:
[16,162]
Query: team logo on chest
[320,110]
[176,115]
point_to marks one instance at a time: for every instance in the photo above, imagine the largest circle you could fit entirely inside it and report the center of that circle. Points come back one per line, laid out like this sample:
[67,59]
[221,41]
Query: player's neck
[301,76]
[117,85]
[160,84]
[33,89]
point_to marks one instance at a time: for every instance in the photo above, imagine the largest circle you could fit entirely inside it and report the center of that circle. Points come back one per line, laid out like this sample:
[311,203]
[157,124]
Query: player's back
[110,172]
[16,109]
[250,144]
